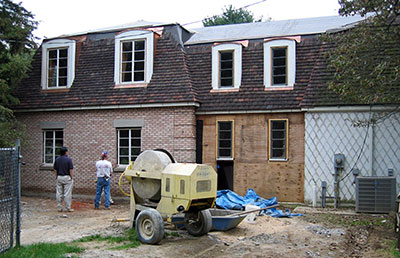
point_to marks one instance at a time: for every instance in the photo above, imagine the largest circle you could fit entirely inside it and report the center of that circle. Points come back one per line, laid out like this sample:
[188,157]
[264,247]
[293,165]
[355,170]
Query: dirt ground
[320,233]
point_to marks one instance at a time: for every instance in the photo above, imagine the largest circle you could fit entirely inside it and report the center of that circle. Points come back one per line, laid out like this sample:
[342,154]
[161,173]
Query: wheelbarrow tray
[222,220]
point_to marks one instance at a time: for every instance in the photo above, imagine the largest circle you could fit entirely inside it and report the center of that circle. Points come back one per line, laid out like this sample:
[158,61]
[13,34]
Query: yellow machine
[161,188]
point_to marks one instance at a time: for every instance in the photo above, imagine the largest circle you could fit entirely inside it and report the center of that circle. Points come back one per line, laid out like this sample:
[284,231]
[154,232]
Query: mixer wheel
[150,226]
[198,223]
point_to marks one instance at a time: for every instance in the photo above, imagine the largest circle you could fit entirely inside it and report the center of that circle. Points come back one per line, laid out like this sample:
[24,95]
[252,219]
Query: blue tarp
[229,200]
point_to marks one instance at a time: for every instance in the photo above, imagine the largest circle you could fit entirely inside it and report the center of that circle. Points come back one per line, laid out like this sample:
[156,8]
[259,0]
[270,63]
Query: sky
[58,17]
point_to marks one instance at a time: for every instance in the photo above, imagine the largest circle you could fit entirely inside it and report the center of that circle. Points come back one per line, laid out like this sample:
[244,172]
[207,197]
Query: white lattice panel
[328,133]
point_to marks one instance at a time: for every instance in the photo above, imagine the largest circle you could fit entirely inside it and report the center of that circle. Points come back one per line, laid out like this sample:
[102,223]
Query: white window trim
[291,62]
[53,144]
[54,44]
[129,145]
[148,36]
[237,65]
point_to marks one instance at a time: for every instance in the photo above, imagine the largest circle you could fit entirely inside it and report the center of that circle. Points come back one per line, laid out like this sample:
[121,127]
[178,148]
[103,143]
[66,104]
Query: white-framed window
[129,144]
[58,63]
[52,143]
[133,57]
[226,66]
[279,63]
[278,139]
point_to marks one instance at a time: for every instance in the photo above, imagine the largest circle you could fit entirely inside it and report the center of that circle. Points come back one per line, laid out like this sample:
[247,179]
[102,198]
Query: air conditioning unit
[375,194]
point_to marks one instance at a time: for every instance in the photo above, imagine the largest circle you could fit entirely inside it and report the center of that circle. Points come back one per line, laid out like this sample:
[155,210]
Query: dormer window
[133,57]
[279,64]
[58,64]
[226,66]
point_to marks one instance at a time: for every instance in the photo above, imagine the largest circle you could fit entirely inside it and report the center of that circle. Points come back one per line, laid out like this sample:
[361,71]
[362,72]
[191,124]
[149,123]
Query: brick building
[229,96]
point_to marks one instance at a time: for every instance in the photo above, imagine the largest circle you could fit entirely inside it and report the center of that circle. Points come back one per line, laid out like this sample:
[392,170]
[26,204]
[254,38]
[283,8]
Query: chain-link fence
[9,197]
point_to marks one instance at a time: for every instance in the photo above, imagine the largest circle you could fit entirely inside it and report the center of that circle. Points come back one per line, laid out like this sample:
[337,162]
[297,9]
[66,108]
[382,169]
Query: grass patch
[128,240]
[393,249]
[42,250]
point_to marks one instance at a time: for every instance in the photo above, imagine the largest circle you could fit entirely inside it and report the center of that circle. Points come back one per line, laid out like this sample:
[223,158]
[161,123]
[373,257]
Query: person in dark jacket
[63,168]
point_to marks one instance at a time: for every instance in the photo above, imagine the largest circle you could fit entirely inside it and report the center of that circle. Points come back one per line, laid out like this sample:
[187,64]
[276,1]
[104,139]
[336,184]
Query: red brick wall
[88,132]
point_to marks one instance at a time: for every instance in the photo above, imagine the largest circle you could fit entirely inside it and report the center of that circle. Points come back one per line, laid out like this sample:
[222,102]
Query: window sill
[278,160]
[63,89]
[273,88]
[224,90]
[46,167]
[131,85]
[119,168]
[225,159]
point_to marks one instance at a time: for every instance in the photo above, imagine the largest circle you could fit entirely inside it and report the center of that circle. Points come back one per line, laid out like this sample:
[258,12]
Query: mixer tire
[198,224]
[150,226]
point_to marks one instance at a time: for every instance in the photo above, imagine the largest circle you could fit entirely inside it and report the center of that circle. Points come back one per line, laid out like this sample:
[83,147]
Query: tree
[231,16]
[16,51]
[365,58]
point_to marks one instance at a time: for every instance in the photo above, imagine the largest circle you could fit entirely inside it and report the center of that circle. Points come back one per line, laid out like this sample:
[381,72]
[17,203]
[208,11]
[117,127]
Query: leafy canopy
[231,16]
[365,60]
[16,50]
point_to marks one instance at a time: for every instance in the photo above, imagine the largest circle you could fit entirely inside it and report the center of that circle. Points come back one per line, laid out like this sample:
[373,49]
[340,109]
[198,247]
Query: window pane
[63,53]
[123,151]
[226,82]
[126,77]
[139,76]
[226,55]
[59,143]
[124,160]
[139,45]
[225,135]
[62,72]
[123,133]
[48,159]
[135,133]
[49,143]
[58,152]
[123,142]
[225,143]
[278,134]
[49,151]
[135,142]
[279,80]
[139,55]
[127,56]
[52,54]
[279,62]
[52,64]
[49,134]
[279,52]
[277,153]
[127,46]
[135,151]
[225,125]
[226,73]
[139,66]
[278,144]
[62,81]
[225,153]
[127,67]
[278,124]
[226,65]
[59,134]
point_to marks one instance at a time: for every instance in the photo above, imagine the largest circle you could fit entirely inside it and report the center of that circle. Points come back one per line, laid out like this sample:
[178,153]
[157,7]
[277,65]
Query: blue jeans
[102,183]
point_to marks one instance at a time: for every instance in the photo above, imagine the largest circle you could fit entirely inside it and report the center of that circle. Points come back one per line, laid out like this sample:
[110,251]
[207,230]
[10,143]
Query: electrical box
[338,160]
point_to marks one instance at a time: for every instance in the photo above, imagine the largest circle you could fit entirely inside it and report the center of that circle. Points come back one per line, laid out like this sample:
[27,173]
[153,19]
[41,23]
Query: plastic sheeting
[230,200]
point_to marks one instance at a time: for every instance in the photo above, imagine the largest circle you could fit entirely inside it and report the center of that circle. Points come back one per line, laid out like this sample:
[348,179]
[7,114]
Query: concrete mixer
[161,188]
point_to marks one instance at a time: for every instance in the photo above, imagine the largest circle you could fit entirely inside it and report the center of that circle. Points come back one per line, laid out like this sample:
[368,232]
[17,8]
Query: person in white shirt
[104,170]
